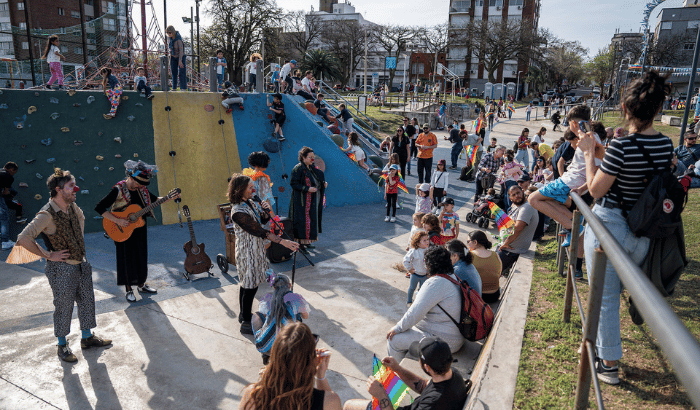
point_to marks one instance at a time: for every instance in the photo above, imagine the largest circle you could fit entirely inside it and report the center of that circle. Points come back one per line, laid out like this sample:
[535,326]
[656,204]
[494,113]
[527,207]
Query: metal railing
[360,116]
[678,345]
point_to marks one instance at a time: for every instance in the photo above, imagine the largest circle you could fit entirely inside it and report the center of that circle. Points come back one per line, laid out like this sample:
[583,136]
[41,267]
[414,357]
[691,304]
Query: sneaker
[94,341]
[281,138]
[393,219]
[578,275]
[147,289]
[452,168]
[20,220]
[229,110]
[246,328]
[385,220]
[223,104]
[9,244]
[65,354]
[566,242]
[150,97]
[130,296]
[608,375]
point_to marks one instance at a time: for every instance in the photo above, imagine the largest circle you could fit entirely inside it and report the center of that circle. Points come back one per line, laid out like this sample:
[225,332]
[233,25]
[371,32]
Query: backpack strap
[461,294]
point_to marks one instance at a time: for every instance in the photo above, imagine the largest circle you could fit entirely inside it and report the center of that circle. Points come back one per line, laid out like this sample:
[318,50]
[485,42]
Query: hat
[140,171]
[433,351]
[394,166]
[524,178]
[293,62]
[424,186]
[426,125]
[447,201]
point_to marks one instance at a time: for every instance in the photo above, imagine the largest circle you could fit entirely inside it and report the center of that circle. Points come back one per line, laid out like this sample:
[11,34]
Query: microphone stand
[285,236]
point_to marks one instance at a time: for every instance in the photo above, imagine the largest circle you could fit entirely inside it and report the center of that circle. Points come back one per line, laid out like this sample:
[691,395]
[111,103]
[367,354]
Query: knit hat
[140,171]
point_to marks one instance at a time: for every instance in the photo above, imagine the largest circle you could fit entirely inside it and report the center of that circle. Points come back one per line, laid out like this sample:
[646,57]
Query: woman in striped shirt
[617,185]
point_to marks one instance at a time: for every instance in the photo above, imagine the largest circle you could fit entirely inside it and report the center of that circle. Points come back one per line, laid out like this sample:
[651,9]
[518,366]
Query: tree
[600,68]
[238,29]
[564,61]
[436,41]
[394,39]
[537,78]
[301,30]
[323,64]
[345,39]
[669,51]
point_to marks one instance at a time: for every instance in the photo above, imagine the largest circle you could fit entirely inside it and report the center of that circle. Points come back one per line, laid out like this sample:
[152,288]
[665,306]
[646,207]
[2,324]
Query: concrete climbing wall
[347,183]
[200,132]
[79,135]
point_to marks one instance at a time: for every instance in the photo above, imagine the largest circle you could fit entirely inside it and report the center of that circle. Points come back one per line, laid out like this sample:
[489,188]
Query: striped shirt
[626,162]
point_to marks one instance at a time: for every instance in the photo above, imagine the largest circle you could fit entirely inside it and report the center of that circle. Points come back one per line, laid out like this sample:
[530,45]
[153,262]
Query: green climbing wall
[81,115]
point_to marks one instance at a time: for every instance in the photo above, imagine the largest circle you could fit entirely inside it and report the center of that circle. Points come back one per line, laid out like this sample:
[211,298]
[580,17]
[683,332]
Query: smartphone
[584,126]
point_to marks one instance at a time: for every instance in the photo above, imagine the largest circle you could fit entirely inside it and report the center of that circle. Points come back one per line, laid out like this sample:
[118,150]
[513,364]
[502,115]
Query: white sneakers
[9,244]
[393,219]
[385,220]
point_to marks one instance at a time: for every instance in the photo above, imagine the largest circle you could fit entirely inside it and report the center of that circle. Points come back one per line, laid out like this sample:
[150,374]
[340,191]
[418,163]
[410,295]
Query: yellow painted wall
[200,165]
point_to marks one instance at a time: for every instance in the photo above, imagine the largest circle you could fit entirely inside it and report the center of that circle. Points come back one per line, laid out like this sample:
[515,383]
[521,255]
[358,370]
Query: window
[495,3]
[4,6]
[61,12]
[22,25]
[110,24]
[75,14]
[64,49]
[20,6]
[666,25]
[515,2]
[78,50]
[689,46]
[479,3]
[88,2]
[693,24]
[25,45]
[108,7]
[461,6]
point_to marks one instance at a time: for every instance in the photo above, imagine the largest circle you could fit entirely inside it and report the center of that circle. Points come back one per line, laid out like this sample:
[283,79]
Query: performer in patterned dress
[306,205]
[251,262]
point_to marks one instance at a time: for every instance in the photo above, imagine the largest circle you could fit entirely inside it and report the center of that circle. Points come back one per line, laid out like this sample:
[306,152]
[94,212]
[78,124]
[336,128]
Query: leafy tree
[537,78]
[600,68]
[323,64]
[394,39]
[564,60]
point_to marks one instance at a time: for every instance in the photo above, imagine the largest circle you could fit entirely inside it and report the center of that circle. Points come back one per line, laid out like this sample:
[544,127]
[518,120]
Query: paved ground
[181,348]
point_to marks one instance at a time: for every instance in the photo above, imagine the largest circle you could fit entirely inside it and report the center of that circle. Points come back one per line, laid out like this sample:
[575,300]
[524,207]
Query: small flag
[352,156]
[503,221]
[470,150]
[478,125]
[395,388]
[511,108]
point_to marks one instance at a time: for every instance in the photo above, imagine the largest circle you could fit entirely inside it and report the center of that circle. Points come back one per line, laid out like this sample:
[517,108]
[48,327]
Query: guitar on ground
[196,261]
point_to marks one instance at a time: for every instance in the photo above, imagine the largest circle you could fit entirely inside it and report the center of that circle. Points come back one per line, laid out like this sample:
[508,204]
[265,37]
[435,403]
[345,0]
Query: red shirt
[392,185]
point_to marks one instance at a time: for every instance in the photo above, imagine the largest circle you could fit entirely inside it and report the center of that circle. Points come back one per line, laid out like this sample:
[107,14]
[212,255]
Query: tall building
[463,62]
[326,5]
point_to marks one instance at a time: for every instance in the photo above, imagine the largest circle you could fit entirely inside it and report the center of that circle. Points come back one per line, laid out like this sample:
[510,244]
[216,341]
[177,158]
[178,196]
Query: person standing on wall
[426,143]
[252,69]
[178,59]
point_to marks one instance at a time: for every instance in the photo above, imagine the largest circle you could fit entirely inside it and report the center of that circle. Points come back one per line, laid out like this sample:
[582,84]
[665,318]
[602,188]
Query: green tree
[600,68]
[323,64]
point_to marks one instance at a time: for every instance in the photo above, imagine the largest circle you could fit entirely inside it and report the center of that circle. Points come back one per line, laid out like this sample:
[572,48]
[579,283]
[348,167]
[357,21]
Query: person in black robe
[308,188]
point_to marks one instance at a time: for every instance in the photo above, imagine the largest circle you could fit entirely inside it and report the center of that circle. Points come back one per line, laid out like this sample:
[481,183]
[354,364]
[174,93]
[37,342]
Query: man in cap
[444,390]
[132,254]
[61,223]
[426,143]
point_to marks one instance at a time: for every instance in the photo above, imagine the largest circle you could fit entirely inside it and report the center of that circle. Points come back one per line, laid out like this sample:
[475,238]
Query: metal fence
[678,345]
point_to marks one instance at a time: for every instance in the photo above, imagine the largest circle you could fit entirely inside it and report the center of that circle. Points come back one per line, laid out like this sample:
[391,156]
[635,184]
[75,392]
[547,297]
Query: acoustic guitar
[133,213]
[196,261]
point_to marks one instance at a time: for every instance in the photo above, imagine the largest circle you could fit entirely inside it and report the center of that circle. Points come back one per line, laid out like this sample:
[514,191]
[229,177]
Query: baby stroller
[481,214]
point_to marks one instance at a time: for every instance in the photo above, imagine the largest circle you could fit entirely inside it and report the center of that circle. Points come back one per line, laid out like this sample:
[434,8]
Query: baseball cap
[394,166]
[293,62]
[524,178]
[433,351]
[424,186]
[448,201]
[426,125]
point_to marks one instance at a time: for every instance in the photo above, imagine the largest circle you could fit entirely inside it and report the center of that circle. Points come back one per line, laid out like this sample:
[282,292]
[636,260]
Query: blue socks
[86,333]
[62,341]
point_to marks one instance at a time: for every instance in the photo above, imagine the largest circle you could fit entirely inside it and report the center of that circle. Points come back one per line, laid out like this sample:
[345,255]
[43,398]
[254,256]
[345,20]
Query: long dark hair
[49,43]
[278,309]
[236,187]
[457,247]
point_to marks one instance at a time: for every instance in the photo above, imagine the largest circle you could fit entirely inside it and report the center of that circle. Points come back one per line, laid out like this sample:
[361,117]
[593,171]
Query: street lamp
[517,87]
[619,76]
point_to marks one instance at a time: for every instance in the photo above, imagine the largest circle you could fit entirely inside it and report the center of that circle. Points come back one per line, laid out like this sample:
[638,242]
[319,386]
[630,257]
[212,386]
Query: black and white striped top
[627,163]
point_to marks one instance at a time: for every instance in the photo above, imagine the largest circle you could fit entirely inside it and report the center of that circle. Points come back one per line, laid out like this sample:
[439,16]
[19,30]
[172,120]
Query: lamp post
[517,86]
[198,55]
[619,75]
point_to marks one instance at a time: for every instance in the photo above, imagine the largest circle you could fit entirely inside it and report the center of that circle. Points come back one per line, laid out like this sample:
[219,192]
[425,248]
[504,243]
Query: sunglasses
[692,138]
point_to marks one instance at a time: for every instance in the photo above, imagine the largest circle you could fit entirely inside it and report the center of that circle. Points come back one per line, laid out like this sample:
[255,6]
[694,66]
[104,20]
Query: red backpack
[476,317]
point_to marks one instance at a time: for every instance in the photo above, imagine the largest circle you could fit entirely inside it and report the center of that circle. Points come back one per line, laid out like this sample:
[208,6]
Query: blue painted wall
[347,183]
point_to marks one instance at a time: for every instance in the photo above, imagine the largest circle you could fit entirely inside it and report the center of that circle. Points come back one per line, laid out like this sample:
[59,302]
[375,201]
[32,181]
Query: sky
[591,22]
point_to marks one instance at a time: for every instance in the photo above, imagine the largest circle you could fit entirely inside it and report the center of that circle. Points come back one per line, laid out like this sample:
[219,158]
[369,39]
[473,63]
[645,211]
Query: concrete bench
[671,120]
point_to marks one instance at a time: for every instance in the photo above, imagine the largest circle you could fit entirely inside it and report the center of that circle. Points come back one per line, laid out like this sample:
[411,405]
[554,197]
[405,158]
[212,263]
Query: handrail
[329,90]
[678,345]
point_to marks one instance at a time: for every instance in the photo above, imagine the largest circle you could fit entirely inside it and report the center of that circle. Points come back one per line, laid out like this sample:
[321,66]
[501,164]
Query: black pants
[14,205]
[290,85]
[391,203]
[438,194]
[414,149]
[402,165]
[508,259]
[424,166]
[306,95]
[245,301]
[323,112]
[142,86]
[539,231]
[479,189]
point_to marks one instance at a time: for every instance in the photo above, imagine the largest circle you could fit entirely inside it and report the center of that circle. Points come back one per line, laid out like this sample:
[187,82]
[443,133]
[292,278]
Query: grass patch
[549,363]
[614,119]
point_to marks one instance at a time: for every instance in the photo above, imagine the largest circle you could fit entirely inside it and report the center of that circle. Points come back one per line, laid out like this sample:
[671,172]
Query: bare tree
[564,60]
[436,41]
[670,50]
[345,39]
[394,39]
[301,30]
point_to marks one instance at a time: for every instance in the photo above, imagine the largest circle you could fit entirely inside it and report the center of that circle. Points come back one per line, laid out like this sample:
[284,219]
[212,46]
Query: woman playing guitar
[132,253]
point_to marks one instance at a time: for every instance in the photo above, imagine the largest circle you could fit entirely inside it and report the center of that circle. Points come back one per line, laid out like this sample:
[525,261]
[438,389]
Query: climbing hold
[53,100]
[139,105]
[84,192]
[111,168]
[36,94]
[3,106]
[38,175]
[131,118]
[55,115]
[77,143]
[31,110]
[136,155]
[96,168]
[46,142]
[222,122]
[76,105]
[71,92]
[107,116]
[19,121]
[23,185]
[76,160]
[208,108]
[118,139]
[100,133]
[124,98]
[281,188]
[172,153]
[167,108]
[82,118]
[38,197]
[51,160]
[100,183]
[29,161]
[97,217]
[81,178]
[90,99]
[23,146]
[99,158]
[117,155]
[65,129]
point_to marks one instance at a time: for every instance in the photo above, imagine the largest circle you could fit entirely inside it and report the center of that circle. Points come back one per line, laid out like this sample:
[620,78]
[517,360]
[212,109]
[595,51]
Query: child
[423,201]
[277,106]
[141,82]
[384,146]
[53,56]
[220,67]
[259,161]
[393,159]
[414,262]
[229,96]
[449,219]
[321,108]
[492,147]
[439,182]
[355,149]
[509,174]
[113,93]
[275,79]
[416,227]
[345,119]
[391,192]
[431,224]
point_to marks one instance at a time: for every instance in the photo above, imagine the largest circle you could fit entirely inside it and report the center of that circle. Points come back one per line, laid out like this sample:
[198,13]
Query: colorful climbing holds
[131,118]
[125,98]
[139,105]
[76,105]
[23,185]
[99,158]
[84,192]
[81,178]
[53,100]
[51,160]
[38,197]
[208,108]
[111,168]
[36,94]
[29,161]
[118,139]
[90,99]
[3,106]
[38,175]
[31,110]
[65,129]
[55,115]
[117,155]
[77,143]
[136,155]
[46,142]
[71,92]
[96,168]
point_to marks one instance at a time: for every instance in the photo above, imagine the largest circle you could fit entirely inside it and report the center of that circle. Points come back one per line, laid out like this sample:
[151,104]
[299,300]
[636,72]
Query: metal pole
[351,63]
[82,31]
[165,18]
[691,88]
[364,88]
[29,43]
[144,37]
[198,55]
[573,258]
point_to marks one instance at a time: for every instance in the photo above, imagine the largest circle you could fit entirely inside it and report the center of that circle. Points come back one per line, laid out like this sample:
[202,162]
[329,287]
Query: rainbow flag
[503,221]
[352,156]
[635,67]
[401,184]
[394,386]
[470,150]
[490,114]
[511,108]
[478,125]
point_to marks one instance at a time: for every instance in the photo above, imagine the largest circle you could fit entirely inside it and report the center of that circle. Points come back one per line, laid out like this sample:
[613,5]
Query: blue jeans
[694,181]
[179,73]
[506,199]
[219,79]
[528,116]
[4,221]
[415,280]
[252,78]
[523,156]
[608,342]
[142,86]
[454,154]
